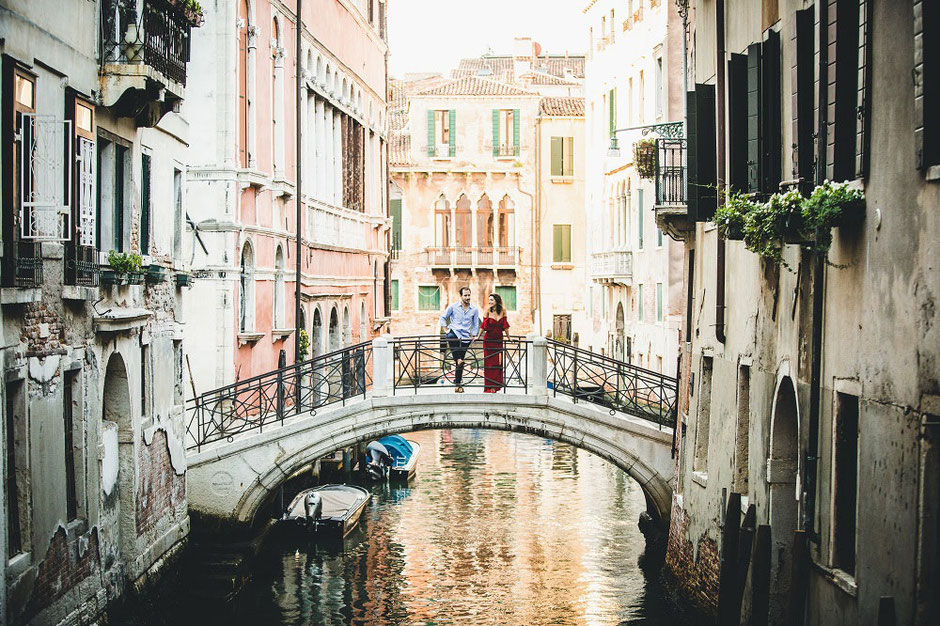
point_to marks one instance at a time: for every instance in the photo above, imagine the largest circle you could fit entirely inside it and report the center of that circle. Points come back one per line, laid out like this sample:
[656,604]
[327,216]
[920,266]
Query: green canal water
[497,528]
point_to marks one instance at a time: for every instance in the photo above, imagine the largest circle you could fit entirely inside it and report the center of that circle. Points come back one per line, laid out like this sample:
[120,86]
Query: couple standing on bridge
[464,326]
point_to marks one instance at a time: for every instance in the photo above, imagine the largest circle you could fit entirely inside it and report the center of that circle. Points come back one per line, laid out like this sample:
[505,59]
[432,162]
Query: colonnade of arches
[454,225]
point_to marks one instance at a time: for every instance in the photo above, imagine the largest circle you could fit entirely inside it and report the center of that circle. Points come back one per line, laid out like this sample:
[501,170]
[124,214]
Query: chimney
[521,55]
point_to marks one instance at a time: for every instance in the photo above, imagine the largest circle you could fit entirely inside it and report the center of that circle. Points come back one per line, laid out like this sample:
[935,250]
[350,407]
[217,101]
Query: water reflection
[497,528]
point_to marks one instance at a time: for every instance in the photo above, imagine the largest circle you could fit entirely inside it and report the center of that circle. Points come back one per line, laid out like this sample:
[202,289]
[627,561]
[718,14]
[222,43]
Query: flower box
[136,278]
[184,279]
[111,277]
[156,274]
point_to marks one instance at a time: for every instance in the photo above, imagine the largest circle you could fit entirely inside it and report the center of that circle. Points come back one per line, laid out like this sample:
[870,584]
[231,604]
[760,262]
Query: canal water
[497,528]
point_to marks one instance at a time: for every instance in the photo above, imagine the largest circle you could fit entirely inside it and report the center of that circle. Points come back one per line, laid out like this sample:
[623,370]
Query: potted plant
[124,268]
[190,10]
[769,225]
[184,279]
[730,217]
[644,157]
[833,204]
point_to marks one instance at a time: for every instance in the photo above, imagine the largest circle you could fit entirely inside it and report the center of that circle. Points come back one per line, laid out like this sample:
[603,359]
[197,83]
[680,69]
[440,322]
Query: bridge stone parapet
[230,480]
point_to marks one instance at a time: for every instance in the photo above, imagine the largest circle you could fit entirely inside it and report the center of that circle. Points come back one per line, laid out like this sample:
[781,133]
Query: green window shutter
[145,204]
[452,134]
[639,218]
[557,168]
[659,237]
[556,243]
[395,211]
[431,137]
[566,243]
[429,298]
[508,294]
[612,111]
[394,290]
[639,303]
[659,302]
[515,130]
[495,132]
[753,118]
[569,157]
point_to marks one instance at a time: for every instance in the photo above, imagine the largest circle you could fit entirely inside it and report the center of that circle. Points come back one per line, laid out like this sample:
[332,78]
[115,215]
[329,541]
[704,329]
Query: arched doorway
[116,413]
[618,336]
[782,467]
[334,338]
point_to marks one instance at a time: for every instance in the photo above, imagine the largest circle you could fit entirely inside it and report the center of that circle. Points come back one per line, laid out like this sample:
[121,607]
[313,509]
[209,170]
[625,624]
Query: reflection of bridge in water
[245,439]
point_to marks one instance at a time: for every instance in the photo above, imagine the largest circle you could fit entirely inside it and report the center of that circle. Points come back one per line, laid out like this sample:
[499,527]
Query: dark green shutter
[495,132]
[432,149]
[801,82]
[702,153]
[771,131]
[639,220]
[395,211]
[515,131]
[753,118]
[557,169]
[863,123]
[394,290]
[145,204]
[737,121]
[452,133]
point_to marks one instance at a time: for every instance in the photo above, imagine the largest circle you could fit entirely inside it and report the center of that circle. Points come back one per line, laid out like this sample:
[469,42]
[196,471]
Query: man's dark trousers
[458,348]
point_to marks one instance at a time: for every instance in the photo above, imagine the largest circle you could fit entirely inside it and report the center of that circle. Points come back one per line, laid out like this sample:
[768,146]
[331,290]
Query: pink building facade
[243,182]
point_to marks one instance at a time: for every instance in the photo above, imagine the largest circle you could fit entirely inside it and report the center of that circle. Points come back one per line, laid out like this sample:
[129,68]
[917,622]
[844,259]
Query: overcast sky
[431,35]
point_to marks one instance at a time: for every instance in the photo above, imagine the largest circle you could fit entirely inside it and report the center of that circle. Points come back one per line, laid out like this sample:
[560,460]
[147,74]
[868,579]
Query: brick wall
[159,490]
[38,342]
[695,567]
[64,566]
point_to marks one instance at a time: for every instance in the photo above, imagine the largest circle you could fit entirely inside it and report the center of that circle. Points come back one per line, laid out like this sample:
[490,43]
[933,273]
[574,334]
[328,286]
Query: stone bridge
[247,439]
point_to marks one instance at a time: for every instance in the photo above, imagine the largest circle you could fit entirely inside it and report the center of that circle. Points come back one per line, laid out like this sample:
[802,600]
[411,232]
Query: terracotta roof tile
[399,149]
[474,86]
[540,78]
[500,66]
[567,107]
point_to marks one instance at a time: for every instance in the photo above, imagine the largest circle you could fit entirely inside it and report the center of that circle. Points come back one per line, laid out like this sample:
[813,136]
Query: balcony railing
[483,257]
[506,150]
[671,181]
[151,33]
[612,267]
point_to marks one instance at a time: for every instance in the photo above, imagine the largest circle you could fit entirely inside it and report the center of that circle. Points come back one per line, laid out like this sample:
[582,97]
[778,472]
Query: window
[561,246]
[754,117]
[246,308]
[641,98]
[845,481]
[639,303]
[81,266]
[927,88]
[113,165]
[561,328]
[611,111]
[442,223]
[395,212]
[659,302]
[177,214]
[847,104]
[394,290]
[562,156]
[485,223]
[277,97]
[742,430]
[508,294]
[145,203]
[507,222]
[429,297]
[442,132]
[144,381]
[68,425]
[280,319]
[639,218]
[613,28]
[660,100]
[702,153]
[700,459]
[463,222]
[659,237]
[629,101]
[17,477]
[506,132]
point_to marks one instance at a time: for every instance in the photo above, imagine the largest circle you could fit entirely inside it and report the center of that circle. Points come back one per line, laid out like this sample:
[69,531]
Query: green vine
[124,262]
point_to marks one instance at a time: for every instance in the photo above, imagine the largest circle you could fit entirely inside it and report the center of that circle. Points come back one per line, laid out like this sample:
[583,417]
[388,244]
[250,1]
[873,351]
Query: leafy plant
[769,225]
[304,345]
[644,157]
[730,216]
[124,262]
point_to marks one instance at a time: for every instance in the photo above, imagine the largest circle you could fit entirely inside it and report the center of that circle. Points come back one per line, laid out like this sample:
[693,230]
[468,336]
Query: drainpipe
[298,204]
[720,106]
[537,214]
[535,247]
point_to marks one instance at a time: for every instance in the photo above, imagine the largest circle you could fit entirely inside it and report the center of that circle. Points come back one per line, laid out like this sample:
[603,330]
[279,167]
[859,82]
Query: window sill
[932,173]
[18,564]
[278,334]
[19,295]
[562,266]
[79,293]
[562,180]
[244,338]
[511,157]
[700,478]
[841,579]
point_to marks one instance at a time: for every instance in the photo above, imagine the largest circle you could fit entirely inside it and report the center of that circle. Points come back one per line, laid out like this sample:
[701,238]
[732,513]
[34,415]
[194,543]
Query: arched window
[507,222]
[485,222]
[347,327]
[277,96]
[246,304]
[335,339]
[442,223]
[363,323]
[463,222]
[280,319]
[316,334]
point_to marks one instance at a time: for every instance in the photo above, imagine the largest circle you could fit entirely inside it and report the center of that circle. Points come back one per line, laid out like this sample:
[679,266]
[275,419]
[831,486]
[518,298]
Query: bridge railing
[429,361]
[270,398]
[619,386]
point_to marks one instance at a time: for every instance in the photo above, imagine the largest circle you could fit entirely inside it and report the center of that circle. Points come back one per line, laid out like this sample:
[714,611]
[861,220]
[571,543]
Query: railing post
[281,364]
[382,366]
[536,356]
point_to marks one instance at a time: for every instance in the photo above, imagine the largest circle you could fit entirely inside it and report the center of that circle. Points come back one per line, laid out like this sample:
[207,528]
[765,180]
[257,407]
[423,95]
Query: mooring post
[760,577]
[799,572]
[727,576]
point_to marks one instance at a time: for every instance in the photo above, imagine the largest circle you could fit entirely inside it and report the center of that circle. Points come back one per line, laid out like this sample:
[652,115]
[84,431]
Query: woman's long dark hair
[499,303]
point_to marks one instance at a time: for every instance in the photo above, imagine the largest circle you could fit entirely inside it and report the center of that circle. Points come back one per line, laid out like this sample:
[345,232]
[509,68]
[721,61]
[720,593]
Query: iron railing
[428,362]
[22,265]
[270,398]
[158,36]
[671,181]
[619,386]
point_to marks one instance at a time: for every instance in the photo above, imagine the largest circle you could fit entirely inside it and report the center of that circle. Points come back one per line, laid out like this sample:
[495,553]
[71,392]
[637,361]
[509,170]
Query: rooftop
[562,107]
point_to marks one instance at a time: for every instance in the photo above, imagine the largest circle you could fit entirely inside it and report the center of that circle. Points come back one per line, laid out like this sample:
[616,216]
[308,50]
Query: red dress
[493,352]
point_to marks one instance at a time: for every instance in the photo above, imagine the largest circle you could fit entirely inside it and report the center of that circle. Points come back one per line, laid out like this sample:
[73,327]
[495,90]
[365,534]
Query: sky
[432,35]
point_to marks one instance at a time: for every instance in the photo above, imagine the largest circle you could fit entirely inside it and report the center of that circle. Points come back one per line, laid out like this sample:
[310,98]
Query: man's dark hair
[462,289]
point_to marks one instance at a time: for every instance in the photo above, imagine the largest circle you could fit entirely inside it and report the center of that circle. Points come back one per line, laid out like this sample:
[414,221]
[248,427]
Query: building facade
[632,80]
[465,173]
[243,177]
[809,383]
[93,163]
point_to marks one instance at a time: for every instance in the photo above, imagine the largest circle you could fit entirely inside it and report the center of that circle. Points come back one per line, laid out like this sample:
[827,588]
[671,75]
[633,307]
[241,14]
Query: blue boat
[392,457]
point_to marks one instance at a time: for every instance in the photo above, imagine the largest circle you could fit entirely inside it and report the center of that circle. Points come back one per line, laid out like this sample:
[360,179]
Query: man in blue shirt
[462,321]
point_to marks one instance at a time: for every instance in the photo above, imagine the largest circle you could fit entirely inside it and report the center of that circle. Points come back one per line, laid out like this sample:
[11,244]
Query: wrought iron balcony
[670,172]
[615,266]
[145,45]
[505,150]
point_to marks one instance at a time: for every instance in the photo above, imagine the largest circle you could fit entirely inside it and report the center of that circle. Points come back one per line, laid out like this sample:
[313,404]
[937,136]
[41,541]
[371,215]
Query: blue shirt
[464,322]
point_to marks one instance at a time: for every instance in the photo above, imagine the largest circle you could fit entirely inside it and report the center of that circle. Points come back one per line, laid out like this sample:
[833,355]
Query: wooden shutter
[639,217]
[515,131]
[566,243]
[863,119]
[395,211]
[394,294]
[452,133]
[557,169]
[145,204]
[495,132]
[702,153]
[737,121]
[612,112]
[801,83]
[770,132]
[753,118]
[556,243]
[568,161]
[432,149]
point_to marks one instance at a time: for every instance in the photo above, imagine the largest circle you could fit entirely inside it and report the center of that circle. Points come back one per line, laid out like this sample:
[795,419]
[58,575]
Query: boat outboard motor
[313,507]
[378,460]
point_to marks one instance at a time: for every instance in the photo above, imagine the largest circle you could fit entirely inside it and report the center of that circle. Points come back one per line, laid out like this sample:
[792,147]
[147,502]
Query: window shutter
[495,132]
[557,169]
[569,157]
[770,132]
[145,204]
[801,80]
[556,243]
[753,118]
[611,112]
[452,134]
[639,218]
[515,131]
[863,123]
[86,192]
[566,243]
[432,149]
[737,121]
[702,153]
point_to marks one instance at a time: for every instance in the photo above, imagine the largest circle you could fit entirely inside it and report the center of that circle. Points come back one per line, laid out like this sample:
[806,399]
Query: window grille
[45,178]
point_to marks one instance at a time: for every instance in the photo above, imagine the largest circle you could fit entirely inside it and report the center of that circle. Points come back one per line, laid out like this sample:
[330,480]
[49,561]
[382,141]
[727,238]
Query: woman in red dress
[493,329]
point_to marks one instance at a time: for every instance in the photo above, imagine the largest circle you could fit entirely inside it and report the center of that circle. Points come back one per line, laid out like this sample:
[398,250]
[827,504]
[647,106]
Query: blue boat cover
[398,448]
